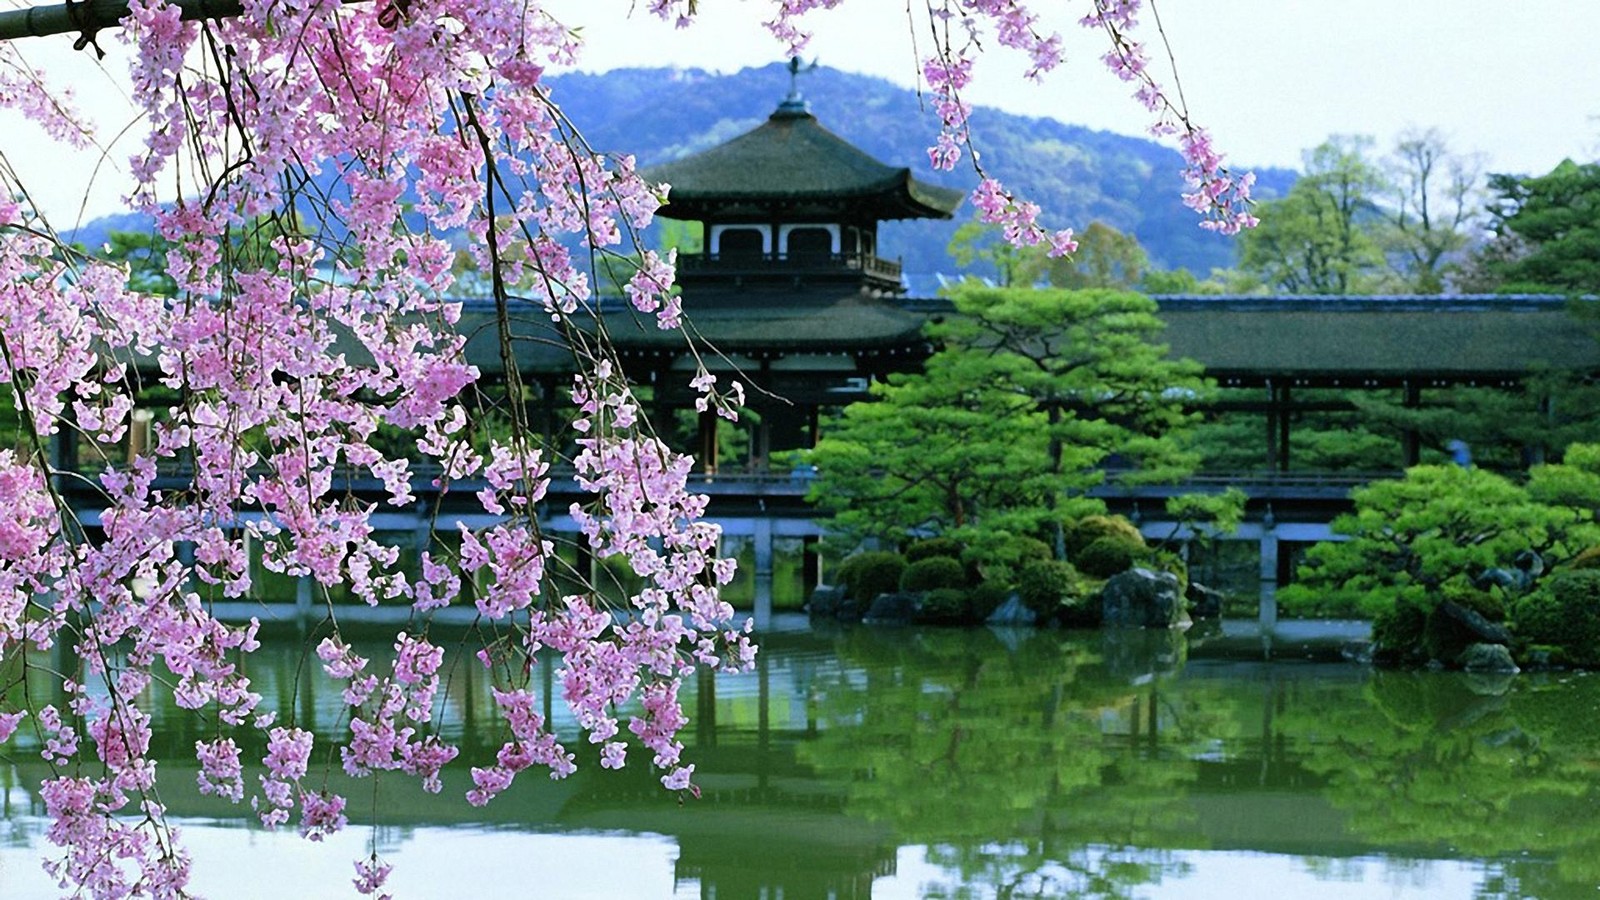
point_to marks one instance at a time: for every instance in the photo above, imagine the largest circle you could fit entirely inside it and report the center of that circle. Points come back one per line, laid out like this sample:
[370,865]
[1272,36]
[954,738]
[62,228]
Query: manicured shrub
[1080,534]
[872,573]
[986,597]
[1564,615]
[933,548]
[843,572]
[999,556]
[933,572]
[1109,556]
[946,606]
[1045,586]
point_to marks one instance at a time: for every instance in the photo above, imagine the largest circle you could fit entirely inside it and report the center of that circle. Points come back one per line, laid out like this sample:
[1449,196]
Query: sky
[1517,83]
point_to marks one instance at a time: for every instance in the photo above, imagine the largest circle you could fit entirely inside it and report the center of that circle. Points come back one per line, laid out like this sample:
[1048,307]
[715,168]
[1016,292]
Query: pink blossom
[220,770]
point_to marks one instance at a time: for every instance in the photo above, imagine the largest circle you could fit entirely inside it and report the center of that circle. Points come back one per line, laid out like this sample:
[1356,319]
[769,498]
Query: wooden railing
[740,264]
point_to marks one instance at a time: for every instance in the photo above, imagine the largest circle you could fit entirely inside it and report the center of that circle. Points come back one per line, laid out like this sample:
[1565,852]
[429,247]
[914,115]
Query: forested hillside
[1077,174]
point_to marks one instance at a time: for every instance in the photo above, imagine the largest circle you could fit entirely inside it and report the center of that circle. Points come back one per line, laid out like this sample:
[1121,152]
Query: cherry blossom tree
[302,328]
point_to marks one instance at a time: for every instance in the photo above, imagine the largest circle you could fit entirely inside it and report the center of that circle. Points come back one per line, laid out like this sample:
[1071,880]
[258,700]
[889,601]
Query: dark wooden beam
[93,15]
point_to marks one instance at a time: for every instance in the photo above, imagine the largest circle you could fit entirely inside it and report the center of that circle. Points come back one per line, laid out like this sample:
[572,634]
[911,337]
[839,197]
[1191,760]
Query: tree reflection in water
[1021,764]
[1027,766]
[1082,765]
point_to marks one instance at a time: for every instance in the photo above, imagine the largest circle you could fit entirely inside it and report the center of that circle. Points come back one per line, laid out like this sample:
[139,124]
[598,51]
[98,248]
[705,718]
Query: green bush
[872,573]
[843,572]
[999,556]
[985,598]
[1563,614]
[946,606]
[933,548]
[1109,556]
[1397,632]
[933,572]
[1048,585]
[1080,534]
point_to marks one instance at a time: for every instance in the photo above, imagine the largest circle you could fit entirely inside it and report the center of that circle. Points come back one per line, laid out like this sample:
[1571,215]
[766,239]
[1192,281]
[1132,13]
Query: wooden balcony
[880,271]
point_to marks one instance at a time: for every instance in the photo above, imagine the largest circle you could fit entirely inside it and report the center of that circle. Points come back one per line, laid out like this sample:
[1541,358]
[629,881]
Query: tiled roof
[788,159]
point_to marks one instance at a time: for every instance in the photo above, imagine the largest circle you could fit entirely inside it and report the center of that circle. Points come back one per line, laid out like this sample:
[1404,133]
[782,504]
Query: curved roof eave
[791,158]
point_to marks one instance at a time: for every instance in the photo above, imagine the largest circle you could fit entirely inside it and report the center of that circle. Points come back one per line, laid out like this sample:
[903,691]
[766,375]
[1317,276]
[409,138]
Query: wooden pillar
[63,452]
[547,405]
[810,564]
[1538,453]
[1411,439]
[1284,403]
[761,443]
[660,410]
[304,591]
[1268,612]
[1272,426]
[761,434]
[706,443]
[585,562]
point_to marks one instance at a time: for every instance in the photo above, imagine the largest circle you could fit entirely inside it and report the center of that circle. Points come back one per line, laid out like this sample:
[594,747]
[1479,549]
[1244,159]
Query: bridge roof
[1318,337]
[1320,340]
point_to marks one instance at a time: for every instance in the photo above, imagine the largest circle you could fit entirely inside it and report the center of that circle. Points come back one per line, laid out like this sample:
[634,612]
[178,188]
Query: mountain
[1076,174]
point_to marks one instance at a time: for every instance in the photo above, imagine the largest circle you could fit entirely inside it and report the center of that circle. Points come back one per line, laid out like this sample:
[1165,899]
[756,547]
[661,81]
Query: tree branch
[93,15]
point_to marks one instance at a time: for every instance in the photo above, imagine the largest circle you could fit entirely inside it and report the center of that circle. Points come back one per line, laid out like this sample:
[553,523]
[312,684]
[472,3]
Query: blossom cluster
[305,331]
[1221,197]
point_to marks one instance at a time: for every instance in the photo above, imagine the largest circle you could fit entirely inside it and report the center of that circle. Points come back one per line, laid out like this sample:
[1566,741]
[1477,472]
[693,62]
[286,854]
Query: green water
[894,763]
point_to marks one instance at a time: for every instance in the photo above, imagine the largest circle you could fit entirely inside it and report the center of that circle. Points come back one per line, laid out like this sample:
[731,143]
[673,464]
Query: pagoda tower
[790,292]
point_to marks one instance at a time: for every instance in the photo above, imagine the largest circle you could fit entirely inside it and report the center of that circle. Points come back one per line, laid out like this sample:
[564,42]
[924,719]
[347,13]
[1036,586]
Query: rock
[1140,598]
[1527,567]
[1474,624]
[848,610]
[1511,581]
[1529,561]
[1011,613]
[1204,602]
[1488,658]
[893,609]
[825,601]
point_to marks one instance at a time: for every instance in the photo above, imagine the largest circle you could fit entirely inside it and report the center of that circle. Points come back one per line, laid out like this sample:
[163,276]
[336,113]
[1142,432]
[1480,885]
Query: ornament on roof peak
[794,105]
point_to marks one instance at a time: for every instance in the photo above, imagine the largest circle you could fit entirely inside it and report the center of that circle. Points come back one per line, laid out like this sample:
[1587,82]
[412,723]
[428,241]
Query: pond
[905,763]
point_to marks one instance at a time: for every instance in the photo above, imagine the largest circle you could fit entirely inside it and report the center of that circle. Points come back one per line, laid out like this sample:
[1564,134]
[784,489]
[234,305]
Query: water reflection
[898,762]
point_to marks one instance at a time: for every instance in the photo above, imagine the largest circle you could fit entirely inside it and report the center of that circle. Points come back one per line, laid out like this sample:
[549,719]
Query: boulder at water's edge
[1141,598]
